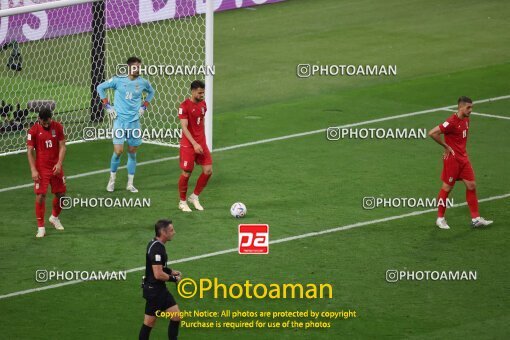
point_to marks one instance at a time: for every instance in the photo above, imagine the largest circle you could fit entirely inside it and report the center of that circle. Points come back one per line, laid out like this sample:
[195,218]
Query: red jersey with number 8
[45,142]
[195,114]
[455,132]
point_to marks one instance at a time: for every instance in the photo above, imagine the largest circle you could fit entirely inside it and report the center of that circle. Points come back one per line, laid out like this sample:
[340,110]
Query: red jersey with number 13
[46,144]
[195,114]
[455,132]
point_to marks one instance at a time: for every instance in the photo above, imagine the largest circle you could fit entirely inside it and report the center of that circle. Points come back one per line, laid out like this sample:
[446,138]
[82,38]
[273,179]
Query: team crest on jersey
[53,133]
[137,88]
[450,179]
[203,111]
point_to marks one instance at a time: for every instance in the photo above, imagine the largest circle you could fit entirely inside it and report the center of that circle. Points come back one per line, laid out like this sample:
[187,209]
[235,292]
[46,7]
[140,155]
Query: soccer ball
[238,210]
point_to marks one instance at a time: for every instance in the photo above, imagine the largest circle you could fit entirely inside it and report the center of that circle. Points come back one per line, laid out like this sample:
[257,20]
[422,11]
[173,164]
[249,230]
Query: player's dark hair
[161,224]
[197,84]
[133,60]
[464,99]
[45,113]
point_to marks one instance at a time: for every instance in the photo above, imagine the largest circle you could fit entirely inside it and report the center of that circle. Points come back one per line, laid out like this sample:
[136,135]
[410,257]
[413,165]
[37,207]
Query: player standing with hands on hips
[48,139]
[126,113]
[155,292]
[456,164]
[193,147]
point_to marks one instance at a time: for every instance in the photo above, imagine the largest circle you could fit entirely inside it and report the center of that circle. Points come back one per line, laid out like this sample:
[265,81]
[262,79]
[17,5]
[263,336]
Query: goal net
[58,56]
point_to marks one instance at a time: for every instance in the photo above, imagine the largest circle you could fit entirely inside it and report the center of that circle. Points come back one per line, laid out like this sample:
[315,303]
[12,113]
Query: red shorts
[455,170]
[57,182]
[188,157]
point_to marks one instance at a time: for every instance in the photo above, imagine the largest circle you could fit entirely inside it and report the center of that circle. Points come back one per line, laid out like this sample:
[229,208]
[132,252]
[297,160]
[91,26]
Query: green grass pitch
[299,185]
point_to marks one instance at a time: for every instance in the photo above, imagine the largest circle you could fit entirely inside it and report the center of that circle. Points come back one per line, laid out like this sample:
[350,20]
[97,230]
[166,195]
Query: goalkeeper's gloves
[143,108]
[109,109]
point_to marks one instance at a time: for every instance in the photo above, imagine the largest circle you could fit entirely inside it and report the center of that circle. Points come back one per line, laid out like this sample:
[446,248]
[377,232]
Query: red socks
[40,209]
[56,207]
[441,203]
[183,187]
[472,202]
[471,199]
[201,183]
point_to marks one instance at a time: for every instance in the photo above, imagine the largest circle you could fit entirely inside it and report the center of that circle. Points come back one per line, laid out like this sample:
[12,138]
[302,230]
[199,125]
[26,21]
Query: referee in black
[155,292]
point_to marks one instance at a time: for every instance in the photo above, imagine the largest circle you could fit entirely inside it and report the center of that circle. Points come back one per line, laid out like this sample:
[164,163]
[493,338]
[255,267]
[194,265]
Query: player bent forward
[126,113]
[456,164]
[47,138]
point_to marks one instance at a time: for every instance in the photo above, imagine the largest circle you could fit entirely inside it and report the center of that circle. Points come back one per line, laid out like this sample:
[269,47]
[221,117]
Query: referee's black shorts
[162,301]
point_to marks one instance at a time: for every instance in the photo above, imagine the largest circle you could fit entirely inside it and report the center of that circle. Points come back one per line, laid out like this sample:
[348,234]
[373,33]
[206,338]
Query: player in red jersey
[193,148]
[47,138]
[456,164]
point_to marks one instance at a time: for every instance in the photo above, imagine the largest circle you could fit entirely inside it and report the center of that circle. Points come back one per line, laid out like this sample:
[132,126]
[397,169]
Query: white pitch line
[33,290]
[269,140]
[85,174]
[307,133]
[488,115]
[482,114]
[282,240]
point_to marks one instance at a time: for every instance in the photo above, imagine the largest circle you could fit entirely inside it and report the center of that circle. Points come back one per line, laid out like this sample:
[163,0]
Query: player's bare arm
[184,124]
[61,155]
[435,134]
[159,274]
[31,162]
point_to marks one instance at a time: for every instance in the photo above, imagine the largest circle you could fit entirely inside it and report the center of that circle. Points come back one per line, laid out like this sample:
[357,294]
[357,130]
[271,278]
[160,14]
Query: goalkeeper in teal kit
[126,113]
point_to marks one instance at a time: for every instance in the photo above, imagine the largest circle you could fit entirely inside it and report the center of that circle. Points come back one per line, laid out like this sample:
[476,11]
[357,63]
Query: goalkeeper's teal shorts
[127,131]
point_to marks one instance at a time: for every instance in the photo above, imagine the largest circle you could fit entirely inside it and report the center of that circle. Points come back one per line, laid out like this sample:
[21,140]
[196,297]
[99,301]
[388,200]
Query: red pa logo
[253,239]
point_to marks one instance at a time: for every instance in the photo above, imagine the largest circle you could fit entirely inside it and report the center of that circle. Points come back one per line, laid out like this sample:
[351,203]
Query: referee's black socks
[173,329]
[145,332]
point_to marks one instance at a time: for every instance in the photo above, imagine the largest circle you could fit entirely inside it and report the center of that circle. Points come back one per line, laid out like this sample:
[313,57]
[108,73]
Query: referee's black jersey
[155,254]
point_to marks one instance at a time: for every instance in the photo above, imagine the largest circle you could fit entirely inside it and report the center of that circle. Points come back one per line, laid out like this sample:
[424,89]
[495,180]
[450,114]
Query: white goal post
[58,51]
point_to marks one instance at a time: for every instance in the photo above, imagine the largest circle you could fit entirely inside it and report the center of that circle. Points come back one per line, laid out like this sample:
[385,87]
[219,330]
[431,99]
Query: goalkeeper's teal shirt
[127,96]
